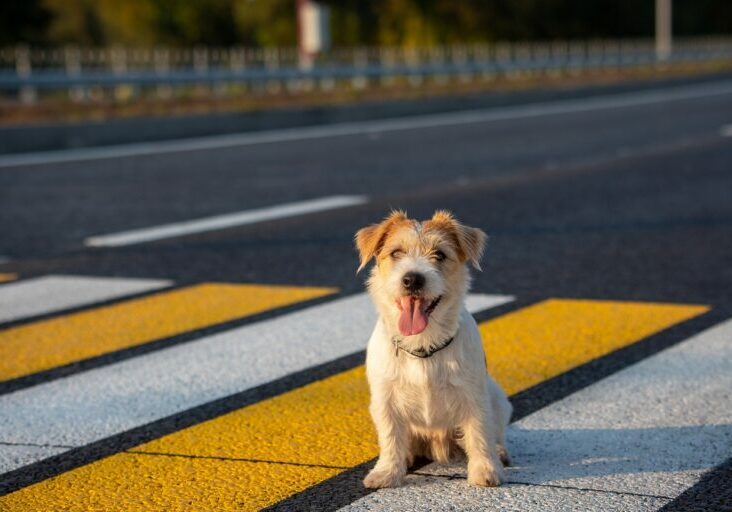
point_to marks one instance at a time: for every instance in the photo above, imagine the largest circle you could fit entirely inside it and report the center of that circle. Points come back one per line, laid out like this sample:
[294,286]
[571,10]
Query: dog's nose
[413,281]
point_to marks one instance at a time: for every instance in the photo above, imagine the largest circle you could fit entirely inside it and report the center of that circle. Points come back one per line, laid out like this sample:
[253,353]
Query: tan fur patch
[469,242]
[370,240]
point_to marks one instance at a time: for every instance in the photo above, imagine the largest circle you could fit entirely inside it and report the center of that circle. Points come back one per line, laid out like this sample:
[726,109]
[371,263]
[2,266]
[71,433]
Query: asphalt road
[616,205]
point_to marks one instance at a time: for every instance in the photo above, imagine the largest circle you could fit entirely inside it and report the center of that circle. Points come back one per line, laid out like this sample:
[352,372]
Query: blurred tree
[23,22]
[419,22]
[143,22]
[204,22]
[266,22]
[698,17]
[353,22]
[75,21]
[131,22]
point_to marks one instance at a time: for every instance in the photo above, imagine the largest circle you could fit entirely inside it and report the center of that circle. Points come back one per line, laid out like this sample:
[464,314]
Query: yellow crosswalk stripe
[7,277]
[549,338]
[263,453]
[62,340]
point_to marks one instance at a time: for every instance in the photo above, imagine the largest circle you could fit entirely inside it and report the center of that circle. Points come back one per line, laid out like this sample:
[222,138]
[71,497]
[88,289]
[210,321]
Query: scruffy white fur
[445,405]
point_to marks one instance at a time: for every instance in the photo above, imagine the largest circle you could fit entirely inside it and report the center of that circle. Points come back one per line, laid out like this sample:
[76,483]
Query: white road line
[137,236]
[95,404]
[632,441]
[18,456]
[628,99]
[41,295]
[726,130]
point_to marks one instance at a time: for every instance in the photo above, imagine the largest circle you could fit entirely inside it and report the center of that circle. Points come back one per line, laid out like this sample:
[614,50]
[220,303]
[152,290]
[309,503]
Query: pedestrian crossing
[295,436]
[50,294]
[634,441]
[184,376]
[6,276]
[71,338]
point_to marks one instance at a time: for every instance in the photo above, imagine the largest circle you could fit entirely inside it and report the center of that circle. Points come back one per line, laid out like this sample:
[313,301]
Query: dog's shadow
[553,456]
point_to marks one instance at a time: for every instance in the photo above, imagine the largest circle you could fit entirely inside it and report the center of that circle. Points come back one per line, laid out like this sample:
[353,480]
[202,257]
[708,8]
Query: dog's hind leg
[503,410]
[440,446]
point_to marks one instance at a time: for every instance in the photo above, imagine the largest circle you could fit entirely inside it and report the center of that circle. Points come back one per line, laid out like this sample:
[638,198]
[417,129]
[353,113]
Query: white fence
[26,71]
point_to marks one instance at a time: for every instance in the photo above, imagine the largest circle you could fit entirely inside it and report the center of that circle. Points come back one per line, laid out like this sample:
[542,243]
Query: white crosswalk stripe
[49,294]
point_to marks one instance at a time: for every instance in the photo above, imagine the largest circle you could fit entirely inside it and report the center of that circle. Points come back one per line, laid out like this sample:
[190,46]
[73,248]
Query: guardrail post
[327,82]
[72,64]
[482,62]
[360,62]
[238,65]
[459,57]
[387,63]
[217,56]
[27,93]
[118,62]
[437,63]
[501,58]
[161,63]
[412,58]
[200,68]
[272,63]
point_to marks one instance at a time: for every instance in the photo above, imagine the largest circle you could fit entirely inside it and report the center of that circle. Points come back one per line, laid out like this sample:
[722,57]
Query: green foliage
[354,22]
[266,22]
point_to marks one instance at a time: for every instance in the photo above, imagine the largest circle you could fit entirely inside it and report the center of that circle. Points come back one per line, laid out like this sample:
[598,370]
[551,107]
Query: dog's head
[420,276]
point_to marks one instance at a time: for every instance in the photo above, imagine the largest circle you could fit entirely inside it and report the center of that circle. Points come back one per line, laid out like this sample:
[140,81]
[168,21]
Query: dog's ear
[469,242]
[370,239]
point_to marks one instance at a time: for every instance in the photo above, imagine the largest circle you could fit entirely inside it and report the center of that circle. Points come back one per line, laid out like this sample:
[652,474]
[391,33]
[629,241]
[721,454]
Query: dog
[431,395]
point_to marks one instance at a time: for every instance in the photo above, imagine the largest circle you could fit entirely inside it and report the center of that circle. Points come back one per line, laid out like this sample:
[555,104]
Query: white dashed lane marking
[229,220]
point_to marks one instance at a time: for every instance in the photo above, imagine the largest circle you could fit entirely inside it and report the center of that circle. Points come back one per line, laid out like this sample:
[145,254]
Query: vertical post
[200,68]
[272,64]
[313,31]
[360,62]
[387,62]
[437,61]
[237,65]
[72,63]
[412,59]
[663,30]
[27,93]
[161,63]
[118,62]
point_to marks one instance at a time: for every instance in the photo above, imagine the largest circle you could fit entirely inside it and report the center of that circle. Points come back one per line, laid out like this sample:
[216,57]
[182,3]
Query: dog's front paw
[384,477]
[485,474]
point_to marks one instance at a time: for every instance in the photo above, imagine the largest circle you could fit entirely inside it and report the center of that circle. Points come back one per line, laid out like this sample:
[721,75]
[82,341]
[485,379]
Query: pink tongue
[412,319]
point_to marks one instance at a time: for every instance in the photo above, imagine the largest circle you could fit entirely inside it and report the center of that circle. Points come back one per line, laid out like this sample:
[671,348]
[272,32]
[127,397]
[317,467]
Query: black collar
[422,353]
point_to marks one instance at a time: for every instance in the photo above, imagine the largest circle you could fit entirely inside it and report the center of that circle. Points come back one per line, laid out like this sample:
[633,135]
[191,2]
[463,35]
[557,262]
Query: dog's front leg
[484,466]
[391,467]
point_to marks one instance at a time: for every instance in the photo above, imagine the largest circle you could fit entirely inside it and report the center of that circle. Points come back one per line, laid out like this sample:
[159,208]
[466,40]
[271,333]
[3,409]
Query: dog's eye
[439,256]
[397,253]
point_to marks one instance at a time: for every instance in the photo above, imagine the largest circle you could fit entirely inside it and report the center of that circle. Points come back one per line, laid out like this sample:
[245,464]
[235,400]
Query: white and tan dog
[430,392]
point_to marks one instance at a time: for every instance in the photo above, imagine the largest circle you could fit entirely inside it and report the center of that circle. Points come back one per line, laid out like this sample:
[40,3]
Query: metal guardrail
[28,70]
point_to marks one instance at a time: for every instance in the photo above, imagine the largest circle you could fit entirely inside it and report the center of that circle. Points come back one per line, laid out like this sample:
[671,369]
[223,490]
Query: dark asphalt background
[629,204]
